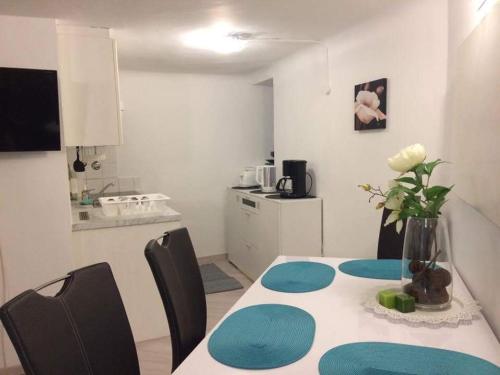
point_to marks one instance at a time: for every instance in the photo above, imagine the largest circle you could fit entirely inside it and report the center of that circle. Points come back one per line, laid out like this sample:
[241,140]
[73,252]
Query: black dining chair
[82,330]
[177,275]
[390,243]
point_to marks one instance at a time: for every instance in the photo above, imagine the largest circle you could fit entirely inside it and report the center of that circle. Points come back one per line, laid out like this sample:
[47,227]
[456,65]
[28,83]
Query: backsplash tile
[126,184]
[108,173]
[109,169]
[91,173]
[96,185]
[115,188]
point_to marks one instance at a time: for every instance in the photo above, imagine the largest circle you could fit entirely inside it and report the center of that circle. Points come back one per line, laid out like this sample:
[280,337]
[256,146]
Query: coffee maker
[295,172]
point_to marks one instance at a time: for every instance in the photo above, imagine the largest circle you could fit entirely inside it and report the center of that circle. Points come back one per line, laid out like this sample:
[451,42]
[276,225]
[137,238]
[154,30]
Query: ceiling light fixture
[216,38]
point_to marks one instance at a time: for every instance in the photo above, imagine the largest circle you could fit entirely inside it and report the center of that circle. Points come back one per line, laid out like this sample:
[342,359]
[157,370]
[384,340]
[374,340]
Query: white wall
[474,114]
[189,136]
[475,241]
[422,47]
[472,144]
[409,47]
[35,219]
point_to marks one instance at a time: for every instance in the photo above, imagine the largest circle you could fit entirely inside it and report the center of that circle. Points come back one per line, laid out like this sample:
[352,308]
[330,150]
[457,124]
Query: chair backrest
[390,243]
[177,275]
[83,330]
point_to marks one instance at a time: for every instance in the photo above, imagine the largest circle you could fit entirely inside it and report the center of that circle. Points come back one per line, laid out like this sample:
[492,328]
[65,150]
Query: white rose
[407,158]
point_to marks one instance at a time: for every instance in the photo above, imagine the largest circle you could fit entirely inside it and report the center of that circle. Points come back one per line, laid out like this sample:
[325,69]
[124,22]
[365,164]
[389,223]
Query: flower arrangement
[410,195]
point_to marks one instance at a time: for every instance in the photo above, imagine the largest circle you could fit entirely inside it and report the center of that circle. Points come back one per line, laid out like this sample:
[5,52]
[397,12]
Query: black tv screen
[29,110]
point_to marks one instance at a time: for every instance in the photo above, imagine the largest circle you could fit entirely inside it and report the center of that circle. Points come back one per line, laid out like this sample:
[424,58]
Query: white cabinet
[123,249]
[88,81]
[259,229]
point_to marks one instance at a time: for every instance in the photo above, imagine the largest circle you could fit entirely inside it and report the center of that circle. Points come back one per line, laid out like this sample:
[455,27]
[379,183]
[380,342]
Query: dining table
[341,318]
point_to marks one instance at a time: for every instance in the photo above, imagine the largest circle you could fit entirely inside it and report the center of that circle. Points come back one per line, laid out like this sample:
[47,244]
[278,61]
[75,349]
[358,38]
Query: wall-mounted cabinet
[89,90]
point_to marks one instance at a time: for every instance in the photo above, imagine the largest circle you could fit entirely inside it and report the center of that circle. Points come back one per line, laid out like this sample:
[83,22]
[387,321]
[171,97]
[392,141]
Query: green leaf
[412,207]
[433,208]
[409,212]
[436,199]
[390,194]
[413,204]
[436,192]
[419,171]
[417,189]
[406,190]
[429,167]
[413,181]
[411,198]
[407,180]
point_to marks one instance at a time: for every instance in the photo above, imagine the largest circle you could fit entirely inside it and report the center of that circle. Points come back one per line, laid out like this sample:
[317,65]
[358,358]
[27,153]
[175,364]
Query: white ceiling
[148,31]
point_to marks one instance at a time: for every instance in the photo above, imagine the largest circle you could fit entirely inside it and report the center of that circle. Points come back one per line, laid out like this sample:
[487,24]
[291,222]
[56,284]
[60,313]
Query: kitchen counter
[269,196]
[120,242]
[260,228]
[97,219]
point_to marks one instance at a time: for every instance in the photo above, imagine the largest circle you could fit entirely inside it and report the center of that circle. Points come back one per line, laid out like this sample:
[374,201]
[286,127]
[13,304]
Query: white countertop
[265,196]
[341,319]
[98,220]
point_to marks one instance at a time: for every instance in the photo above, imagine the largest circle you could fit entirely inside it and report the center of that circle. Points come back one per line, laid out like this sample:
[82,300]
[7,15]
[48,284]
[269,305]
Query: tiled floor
[155,355]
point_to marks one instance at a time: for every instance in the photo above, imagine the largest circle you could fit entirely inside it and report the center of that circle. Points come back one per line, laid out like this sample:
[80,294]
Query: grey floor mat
[215,280]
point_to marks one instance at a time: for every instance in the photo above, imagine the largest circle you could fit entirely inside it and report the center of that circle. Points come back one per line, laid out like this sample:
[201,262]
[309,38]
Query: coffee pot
[293,182]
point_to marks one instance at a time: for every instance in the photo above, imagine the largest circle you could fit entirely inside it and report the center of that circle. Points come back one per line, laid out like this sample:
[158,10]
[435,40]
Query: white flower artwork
[370,105]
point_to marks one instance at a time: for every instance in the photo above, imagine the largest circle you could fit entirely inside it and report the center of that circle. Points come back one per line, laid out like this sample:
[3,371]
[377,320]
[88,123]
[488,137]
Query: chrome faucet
[100,193]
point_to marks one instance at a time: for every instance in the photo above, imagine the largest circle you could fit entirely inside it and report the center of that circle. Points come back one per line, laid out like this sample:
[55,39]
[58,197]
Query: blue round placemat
[298,277]
[263,337]
[377,358]
[386,269]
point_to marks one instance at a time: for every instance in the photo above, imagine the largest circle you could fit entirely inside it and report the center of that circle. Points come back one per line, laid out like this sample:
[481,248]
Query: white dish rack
[133,204]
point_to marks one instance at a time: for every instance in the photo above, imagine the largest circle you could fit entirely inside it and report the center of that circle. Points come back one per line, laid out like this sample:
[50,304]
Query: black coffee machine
[295,171]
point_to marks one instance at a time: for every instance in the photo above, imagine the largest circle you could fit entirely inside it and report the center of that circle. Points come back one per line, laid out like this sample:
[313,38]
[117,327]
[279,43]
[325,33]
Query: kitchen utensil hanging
[78,165]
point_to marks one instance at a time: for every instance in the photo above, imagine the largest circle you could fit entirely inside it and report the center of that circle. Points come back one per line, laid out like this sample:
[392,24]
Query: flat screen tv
[29,110]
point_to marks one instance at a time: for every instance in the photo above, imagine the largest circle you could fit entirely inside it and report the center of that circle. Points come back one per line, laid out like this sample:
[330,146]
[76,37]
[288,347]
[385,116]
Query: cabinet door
[267,235]
[123,249]
[259,232]
[301,228]
[231,225]
[88,83]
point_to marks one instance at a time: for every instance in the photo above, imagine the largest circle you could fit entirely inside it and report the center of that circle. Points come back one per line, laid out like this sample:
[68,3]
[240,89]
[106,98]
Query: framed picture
[370,105]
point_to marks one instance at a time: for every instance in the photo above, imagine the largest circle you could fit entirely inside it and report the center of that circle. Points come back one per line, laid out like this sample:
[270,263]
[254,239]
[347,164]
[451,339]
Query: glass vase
[427,269]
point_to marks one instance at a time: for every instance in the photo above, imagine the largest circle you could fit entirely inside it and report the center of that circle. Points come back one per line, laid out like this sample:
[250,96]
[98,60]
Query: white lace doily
[462,310]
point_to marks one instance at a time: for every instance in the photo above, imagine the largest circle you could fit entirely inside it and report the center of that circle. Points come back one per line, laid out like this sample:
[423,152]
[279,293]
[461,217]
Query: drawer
[243,256]
[249,225]
[237,254]
[250,267]
[257,221]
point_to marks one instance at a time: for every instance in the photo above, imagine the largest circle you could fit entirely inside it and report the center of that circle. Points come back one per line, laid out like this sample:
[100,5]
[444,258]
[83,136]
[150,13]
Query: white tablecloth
[341,319]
